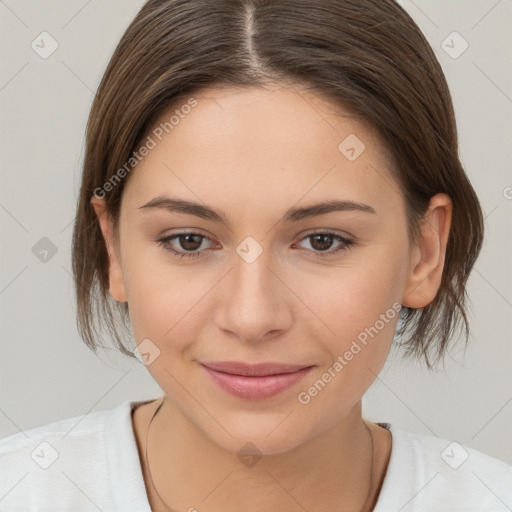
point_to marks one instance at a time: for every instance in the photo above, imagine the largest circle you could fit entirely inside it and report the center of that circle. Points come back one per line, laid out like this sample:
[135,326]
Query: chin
[259,436]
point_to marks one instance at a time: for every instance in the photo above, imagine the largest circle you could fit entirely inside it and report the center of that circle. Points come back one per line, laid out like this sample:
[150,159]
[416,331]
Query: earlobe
[116,282]
[428,255]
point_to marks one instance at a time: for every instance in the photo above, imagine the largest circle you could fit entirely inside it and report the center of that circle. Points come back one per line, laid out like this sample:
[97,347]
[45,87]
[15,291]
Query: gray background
[48,374]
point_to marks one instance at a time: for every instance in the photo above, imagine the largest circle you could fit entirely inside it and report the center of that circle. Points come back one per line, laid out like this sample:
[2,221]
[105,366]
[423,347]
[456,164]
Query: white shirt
[91,463]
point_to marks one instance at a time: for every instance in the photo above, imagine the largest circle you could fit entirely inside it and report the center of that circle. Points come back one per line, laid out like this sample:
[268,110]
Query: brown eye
[321,242]
[184,245]
[190,242]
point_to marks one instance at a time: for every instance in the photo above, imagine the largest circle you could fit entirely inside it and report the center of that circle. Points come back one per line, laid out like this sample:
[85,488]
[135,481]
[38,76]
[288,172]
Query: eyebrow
[291,215]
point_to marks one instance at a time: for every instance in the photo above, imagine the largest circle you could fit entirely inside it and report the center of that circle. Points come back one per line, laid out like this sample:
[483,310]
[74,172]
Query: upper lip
[253,370]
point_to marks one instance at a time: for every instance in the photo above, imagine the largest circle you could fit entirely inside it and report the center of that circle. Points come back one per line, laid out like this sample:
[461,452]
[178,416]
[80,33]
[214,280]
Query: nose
[253,303]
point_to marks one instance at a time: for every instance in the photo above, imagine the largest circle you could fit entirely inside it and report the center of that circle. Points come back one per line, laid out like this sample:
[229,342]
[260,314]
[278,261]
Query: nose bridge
[252,278]
[253,303]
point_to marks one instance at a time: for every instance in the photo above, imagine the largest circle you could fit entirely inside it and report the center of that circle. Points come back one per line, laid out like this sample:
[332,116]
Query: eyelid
[165,243]
[300,237]
[326,231]
[173,236]
[347,242]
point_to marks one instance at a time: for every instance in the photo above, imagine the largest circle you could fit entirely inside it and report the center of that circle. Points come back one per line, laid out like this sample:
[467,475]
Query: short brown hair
[367,54]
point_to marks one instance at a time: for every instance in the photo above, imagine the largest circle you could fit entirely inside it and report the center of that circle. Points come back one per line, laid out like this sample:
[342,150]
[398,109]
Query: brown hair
[367,54]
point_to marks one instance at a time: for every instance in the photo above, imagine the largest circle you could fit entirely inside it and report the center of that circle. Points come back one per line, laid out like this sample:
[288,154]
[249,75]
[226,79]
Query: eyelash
[347,244]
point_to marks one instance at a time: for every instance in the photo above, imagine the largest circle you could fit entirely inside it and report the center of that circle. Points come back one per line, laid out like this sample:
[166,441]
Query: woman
[269,187]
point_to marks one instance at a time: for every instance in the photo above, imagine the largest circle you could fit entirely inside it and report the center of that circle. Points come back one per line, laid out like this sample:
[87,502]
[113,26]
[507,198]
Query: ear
[428,254]
[116,282]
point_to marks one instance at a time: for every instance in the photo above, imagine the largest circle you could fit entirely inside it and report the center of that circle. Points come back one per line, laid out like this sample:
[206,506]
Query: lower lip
[256,388]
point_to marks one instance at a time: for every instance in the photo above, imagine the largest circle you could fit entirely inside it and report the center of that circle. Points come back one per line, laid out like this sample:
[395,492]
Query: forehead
[274,143]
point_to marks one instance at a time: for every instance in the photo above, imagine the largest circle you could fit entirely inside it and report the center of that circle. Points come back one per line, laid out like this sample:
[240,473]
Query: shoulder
[76,428]
[67,463]
[431,473]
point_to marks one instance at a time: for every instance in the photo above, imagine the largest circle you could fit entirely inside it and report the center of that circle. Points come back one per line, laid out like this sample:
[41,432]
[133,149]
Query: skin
[253,153]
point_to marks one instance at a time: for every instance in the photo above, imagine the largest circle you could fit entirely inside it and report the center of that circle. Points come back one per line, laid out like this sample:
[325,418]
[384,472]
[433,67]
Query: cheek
[167,301]
[354,295]
[160,295]
[356,310]
[360,305]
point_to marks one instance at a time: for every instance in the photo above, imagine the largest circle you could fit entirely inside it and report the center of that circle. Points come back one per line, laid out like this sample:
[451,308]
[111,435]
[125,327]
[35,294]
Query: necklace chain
[171,510]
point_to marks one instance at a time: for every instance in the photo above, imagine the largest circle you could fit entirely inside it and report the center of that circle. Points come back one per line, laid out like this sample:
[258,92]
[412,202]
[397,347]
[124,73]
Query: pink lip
[255,382]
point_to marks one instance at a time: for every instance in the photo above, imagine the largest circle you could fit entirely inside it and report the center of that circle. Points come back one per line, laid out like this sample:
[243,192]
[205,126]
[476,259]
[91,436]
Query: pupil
[192,242]
[325,242]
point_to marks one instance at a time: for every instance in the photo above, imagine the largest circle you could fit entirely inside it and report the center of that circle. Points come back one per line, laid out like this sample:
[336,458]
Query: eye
[188,242]
[322,241]
[190,245]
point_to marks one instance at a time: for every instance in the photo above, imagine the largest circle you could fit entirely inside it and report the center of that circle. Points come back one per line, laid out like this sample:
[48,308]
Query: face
[266,227]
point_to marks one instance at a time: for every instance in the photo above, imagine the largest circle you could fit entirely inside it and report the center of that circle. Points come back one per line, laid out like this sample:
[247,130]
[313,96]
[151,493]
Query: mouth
[255,382]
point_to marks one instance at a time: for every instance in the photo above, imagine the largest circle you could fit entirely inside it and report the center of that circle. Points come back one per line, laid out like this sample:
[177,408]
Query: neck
[330,471]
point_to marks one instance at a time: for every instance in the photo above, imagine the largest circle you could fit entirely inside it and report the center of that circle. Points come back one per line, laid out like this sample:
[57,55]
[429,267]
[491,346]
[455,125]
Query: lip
[255,382]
